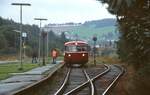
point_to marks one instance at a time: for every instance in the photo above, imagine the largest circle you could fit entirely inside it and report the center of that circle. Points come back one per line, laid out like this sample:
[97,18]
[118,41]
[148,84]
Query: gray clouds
[57,11]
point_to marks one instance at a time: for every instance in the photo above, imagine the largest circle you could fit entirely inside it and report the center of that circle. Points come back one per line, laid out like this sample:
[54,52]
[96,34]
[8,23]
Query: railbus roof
[77,43]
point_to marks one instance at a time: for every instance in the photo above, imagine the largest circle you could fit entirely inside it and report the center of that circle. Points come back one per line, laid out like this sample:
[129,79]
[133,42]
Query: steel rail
[61,89]
[91,83]
[78,88]
[87,82]
[113,82]
[99,75]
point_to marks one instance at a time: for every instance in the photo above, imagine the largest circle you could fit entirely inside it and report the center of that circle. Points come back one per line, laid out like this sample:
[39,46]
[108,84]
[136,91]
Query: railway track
[98,81]
[104,83]
[74,78]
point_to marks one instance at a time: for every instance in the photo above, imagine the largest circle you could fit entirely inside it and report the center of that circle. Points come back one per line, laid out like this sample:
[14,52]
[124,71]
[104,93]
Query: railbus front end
[76,52]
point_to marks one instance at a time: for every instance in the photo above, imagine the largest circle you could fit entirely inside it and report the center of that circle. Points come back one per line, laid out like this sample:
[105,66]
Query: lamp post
[47,46]
[47,42]
[21,4]
[44,34]
[40,19]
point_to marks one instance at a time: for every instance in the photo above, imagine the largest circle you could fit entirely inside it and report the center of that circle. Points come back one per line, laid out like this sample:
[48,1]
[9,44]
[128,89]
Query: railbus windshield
[76,48]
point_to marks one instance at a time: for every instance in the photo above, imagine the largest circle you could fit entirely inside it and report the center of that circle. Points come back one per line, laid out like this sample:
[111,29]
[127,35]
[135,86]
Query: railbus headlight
[83,54]
[69,55]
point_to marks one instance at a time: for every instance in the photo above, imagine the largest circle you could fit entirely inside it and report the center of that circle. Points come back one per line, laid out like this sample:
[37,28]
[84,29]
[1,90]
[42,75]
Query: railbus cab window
[70,48]
[76,48]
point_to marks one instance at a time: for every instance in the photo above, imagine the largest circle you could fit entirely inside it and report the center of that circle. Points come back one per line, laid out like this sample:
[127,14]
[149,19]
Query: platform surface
[21,80]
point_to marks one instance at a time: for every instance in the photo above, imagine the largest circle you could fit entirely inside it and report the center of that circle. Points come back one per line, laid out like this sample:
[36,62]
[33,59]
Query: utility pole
[39,49]
[21,4]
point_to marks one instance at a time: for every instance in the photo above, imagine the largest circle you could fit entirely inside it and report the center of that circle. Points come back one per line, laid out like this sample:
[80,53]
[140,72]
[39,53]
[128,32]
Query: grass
[58,58]
[104,60]
[7,69]
[108,60]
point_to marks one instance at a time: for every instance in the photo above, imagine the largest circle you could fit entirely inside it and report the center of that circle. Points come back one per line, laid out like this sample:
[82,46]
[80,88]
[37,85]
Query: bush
[139,84]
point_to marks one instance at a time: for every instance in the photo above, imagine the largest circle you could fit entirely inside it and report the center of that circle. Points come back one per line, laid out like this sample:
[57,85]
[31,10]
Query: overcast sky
[56,11]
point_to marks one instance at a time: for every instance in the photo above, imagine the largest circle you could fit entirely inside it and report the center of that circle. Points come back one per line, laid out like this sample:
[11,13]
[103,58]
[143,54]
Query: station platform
[22,80]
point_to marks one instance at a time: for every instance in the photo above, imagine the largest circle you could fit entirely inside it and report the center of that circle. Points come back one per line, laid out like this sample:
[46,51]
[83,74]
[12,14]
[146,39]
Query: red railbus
[76,52]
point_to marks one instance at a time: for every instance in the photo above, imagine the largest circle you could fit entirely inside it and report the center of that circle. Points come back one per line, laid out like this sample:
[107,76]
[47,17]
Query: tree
[63,37]
[10,39]
[133,22]
[3,42]
[133,17]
